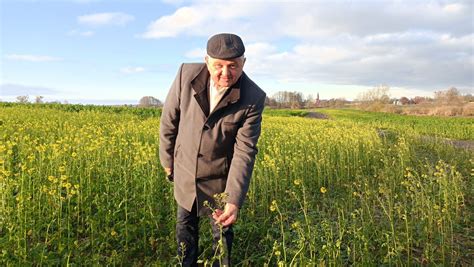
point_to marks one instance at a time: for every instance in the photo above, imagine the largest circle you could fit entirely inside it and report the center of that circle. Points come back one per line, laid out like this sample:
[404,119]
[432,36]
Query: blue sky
[115,52]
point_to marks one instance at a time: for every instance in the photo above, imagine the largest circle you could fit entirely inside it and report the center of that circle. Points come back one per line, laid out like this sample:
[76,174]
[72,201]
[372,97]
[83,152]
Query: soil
[465,144]
[317,115]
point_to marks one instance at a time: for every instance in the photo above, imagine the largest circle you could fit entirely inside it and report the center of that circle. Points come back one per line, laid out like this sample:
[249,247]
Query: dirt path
[317,115]
[465,144]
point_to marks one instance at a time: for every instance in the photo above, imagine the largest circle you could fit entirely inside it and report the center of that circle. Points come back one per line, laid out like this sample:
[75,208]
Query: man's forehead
[226,61]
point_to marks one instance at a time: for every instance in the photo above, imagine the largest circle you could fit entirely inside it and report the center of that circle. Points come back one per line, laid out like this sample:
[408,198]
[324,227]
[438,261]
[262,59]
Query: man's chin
[225,84]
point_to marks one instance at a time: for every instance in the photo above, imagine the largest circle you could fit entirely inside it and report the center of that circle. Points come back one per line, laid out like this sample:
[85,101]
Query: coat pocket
[231,123]
[229,129]
[211,169]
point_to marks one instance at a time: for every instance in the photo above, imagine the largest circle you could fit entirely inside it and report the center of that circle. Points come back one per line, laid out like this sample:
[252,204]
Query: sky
[115,52]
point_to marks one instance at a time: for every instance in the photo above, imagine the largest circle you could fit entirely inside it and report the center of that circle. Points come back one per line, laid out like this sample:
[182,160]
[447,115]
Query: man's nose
[225,71]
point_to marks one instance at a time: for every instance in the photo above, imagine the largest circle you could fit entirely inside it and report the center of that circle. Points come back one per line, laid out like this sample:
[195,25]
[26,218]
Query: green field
[461,128]
[83,186]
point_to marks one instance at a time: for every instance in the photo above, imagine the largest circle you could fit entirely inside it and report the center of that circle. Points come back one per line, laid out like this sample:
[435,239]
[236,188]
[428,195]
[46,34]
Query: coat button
[199,155]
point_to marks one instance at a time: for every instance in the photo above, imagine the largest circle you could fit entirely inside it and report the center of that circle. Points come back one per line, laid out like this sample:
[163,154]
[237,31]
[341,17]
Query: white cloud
[424,45]
[172,25]
[322,54]
[453,8]
[102,19]
[398,60]
[259,48]
[207,17]
[132,70]
[261,20]
[32,58]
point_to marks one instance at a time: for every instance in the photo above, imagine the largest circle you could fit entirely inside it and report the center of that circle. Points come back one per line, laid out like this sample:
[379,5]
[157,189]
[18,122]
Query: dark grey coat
[210,153]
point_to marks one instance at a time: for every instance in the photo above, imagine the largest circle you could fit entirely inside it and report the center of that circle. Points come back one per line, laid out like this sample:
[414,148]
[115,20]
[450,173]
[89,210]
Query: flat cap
[225,46]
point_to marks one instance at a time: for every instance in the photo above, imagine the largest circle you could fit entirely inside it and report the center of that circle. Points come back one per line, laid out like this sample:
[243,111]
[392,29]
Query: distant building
[317,102]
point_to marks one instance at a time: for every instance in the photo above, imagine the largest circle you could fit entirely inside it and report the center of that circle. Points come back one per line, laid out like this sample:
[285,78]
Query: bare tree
[379,94]
[149,101]
[22,99]
[269,101]
[309,101]
[404,100]
[449,96]
[39,99]
[469,98]
[420,99]
[285,99]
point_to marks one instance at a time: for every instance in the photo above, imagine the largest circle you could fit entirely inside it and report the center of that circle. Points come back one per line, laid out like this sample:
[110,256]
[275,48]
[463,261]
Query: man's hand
[228,216]
[169,174]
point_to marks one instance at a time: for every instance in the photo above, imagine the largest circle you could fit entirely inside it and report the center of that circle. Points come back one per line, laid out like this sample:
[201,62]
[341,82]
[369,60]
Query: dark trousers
[187,235]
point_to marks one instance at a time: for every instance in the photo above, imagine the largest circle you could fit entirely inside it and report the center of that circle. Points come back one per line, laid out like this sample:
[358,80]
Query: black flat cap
[225,46]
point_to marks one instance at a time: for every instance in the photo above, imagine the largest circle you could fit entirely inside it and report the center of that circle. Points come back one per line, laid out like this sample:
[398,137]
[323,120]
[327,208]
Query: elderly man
[209,129]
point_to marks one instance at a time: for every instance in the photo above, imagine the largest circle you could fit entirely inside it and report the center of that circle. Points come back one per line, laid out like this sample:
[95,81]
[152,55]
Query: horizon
[115,52]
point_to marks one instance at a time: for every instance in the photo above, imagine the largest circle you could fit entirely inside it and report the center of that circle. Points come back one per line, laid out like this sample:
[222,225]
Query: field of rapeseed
[85,188]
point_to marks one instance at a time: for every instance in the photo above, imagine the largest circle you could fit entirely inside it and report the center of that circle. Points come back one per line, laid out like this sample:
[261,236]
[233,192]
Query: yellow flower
[273,206]
[113,233]
[297,181]
[323,189]
[295,225]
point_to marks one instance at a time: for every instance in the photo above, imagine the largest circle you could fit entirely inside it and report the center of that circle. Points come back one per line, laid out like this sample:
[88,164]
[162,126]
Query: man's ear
[206,59]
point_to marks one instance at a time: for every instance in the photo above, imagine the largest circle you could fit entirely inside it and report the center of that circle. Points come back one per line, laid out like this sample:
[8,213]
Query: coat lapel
[200,85]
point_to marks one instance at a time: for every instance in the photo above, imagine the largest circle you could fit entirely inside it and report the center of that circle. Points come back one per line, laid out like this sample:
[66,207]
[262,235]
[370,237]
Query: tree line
[381,95]
[378,95]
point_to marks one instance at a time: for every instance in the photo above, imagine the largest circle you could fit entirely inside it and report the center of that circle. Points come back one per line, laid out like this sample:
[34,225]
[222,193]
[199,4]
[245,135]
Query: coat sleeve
[245,150]
[169,122]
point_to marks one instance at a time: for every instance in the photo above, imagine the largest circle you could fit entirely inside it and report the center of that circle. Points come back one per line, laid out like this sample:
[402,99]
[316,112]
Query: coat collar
[200,84]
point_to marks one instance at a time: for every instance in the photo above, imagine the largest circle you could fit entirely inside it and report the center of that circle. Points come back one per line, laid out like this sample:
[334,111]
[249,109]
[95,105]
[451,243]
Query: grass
[85,188]
[285,112]
[461,128]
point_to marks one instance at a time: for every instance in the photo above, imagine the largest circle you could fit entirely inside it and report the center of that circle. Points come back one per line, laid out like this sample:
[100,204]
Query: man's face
[225,72]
